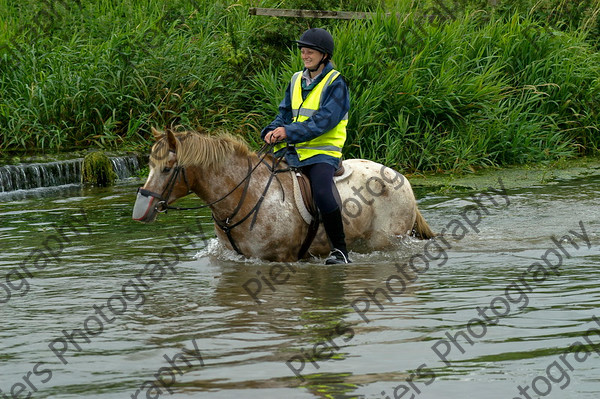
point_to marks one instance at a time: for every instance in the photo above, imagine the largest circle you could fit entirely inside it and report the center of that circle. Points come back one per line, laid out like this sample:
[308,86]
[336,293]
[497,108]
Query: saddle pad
[347,172]
[300,205]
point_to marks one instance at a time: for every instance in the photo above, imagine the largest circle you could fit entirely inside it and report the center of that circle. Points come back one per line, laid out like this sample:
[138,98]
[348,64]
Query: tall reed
[492,87]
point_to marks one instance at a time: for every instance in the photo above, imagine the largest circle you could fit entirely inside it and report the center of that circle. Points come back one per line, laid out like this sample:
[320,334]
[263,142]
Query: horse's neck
[217,184]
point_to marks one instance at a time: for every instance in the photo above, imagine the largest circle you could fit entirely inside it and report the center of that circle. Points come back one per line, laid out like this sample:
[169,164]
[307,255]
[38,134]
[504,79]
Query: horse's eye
[166,170]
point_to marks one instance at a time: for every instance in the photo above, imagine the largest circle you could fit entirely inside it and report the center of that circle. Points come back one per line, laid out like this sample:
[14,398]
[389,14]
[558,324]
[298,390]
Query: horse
[251,196]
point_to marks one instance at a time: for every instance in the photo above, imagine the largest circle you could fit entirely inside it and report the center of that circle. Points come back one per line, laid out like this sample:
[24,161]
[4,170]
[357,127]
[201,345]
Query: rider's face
[311,57]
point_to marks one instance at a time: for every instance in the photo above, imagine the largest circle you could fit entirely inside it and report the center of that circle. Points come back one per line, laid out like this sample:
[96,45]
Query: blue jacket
[335,104]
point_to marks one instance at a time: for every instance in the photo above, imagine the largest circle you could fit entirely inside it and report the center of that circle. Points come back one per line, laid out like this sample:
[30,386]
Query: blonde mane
[199,149]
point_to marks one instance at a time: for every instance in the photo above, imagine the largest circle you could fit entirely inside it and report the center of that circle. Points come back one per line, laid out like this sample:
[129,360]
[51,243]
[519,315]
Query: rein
[164,207]
[224,224]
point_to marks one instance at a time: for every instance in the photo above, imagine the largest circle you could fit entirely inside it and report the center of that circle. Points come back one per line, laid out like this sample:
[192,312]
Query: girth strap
[224,224]
[227,230]
[313,227]
[306,191]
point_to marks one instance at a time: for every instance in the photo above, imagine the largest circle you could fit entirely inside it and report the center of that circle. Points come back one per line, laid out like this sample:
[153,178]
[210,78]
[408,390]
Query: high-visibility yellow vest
[330,142]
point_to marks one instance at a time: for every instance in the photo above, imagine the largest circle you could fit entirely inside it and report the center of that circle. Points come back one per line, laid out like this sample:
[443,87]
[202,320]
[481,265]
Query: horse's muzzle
[145,207]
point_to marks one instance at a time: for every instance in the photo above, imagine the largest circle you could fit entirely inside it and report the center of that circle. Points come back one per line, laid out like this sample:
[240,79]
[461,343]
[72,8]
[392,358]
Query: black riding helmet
[317,39]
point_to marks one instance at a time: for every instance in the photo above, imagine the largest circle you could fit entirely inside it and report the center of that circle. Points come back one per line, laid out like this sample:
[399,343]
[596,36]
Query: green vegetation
[97,170]
[511,84]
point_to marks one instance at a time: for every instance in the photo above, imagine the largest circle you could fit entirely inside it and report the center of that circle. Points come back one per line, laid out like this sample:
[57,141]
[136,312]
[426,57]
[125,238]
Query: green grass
[501,86]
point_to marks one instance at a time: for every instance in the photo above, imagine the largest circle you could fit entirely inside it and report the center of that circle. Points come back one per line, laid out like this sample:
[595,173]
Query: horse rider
[311,126]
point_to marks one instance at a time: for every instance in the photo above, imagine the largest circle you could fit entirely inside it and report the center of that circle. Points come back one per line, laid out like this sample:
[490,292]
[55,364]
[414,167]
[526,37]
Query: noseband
[161,205]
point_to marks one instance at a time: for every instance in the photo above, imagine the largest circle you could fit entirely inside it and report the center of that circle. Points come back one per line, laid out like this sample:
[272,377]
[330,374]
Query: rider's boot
[335,232]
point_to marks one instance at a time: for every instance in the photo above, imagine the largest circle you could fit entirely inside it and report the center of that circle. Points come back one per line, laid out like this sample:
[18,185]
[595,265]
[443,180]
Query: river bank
[513,176]
[441,182]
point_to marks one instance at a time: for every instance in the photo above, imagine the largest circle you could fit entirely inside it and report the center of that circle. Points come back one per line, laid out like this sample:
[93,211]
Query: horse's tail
[421,229]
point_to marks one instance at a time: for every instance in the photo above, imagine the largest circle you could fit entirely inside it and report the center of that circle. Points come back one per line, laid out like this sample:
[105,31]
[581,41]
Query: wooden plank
[286,12]
[283,12]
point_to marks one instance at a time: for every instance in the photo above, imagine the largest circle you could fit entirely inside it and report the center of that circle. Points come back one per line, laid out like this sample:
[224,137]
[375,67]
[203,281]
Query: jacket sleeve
[283,117]
[333,108]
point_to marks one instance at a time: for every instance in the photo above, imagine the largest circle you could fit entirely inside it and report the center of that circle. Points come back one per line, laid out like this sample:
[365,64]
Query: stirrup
[337,257]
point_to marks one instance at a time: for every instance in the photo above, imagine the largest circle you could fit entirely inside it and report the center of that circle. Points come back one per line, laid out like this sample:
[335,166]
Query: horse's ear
[171,140]
[157,133]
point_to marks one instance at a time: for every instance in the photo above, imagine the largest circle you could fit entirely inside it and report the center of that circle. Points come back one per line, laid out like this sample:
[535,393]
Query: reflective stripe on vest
[330,142]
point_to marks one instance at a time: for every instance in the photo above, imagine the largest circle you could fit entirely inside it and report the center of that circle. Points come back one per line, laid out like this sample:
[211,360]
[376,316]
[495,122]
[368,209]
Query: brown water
[311,335]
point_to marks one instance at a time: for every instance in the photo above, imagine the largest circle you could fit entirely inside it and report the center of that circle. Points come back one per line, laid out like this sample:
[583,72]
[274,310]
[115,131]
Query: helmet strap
[324,60]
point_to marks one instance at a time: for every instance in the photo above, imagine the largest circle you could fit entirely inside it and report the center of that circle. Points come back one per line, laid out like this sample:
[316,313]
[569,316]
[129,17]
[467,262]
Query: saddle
[306,205]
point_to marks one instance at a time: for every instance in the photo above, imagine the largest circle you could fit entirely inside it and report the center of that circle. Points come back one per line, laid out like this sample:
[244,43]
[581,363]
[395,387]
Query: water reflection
[310,315]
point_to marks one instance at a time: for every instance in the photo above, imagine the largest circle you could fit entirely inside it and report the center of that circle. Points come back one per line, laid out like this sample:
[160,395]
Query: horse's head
[166,181]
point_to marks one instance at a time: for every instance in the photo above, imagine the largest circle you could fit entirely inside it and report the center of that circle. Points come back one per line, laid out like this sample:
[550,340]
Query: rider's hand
[276,135]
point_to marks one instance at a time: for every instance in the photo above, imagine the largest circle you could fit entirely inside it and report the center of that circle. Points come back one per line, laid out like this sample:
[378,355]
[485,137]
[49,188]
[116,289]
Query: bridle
[162,206]
[177,170]
[224,224]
